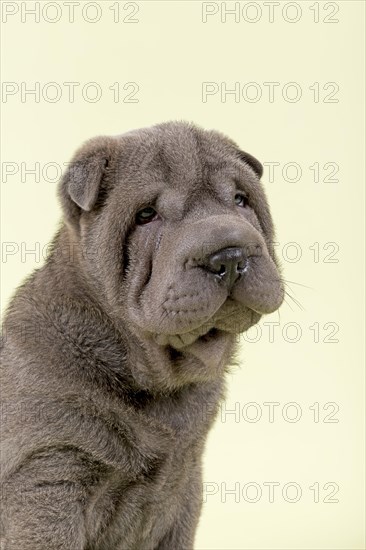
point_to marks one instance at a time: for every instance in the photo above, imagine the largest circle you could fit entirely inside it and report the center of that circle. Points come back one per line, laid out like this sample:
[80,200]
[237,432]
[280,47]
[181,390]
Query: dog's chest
[146,510]
[137,515]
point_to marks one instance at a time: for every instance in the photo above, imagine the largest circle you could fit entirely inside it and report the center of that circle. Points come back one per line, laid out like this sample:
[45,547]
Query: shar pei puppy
[115,351]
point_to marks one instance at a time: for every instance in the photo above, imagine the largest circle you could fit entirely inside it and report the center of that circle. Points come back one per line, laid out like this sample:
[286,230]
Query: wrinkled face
[184,237]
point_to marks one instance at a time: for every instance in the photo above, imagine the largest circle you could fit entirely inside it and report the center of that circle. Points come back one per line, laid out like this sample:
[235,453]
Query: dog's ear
[83,180]
[252,162]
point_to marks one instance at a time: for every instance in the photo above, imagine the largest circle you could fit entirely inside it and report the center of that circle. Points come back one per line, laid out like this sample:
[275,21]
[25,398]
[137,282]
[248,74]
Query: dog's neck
[162,368]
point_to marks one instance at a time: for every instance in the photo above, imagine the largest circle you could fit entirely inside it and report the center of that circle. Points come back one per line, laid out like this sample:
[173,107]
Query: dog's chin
[212,331]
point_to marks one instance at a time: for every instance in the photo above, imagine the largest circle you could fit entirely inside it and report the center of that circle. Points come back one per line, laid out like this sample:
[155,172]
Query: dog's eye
[241,200]
[146,215]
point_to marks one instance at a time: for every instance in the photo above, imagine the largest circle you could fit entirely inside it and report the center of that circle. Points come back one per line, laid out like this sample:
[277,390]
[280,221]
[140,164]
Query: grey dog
[115,351]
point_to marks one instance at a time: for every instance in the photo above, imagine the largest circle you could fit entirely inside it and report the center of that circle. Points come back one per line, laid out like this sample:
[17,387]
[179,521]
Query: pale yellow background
[169,53]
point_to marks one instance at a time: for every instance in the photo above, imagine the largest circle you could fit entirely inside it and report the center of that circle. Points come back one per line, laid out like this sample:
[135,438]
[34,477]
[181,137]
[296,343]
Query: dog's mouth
[215,329]
[211,334]
[209,337]
[180,341]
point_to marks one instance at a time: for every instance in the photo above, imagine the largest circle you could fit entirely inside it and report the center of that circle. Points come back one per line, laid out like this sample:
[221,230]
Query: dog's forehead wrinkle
[180,162]
[136,153]
[182,154]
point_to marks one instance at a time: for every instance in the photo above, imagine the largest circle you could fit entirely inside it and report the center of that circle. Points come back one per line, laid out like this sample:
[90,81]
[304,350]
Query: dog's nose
[226,264]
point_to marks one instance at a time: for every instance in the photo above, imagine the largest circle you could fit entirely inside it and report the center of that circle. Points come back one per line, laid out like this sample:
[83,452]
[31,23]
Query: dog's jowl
[115,351]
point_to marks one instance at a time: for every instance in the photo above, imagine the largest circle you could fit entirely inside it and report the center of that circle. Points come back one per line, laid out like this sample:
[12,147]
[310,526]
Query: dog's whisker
[295,300]
[279,315]
[288,304]
[286,281]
